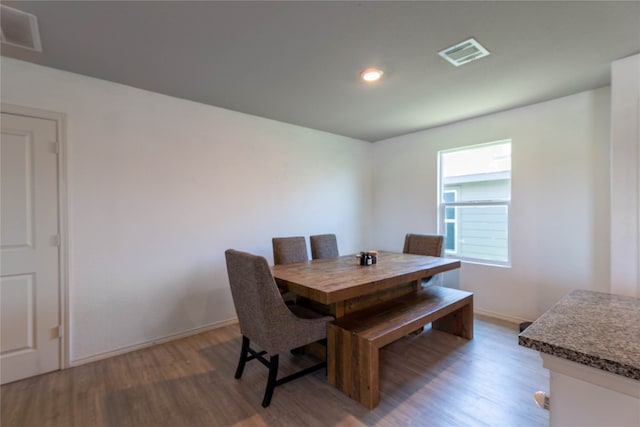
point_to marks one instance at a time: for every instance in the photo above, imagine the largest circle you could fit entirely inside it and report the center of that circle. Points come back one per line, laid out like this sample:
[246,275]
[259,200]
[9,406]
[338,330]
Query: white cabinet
[583,396]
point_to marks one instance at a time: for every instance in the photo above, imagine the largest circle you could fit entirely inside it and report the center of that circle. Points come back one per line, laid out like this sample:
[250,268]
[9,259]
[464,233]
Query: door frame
[63,256]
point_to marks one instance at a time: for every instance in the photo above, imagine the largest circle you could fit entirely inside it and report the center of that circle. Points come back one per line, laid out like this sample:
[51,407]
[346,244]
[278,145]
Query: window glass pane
[449,196]
[450,238]
[450,212]
[483,232]
[478,173]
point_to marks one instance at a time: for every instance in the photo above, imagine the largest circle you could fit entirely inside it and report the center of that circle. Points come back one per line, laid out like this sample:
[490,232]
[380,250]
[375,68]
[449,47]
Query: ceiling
[298,62]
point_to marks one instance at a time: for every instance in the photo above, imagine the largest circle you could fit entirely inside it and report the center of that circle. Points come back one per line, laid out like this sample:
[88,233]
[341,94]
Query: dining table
[340,285]
[343,288]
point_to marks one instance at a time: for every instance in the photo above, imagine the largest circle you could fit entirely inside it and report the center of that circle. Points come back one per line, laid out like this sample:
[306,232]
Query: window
[475,195]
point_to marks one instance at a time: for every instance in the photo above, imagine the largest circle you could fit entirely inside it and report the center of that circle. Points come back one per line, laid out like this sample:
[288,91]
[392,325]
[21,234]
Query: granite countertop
[591,328]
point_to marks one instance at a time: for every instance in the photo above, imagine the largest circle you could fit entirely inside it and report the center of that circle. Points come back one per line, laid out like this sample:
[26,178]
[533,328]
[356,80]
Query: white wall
[625,187]
[560,199]
[159,187]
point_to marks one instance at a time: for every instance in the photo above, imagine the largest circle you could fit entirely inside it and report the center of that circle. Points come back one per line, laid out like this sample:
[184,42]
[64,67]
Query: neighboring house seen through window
[475,195]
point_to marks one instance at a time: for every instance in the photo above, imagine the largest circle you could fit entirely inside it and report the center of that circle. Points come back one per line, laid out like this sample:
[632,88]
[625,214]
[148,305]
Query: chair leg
[244,353]
[271,383]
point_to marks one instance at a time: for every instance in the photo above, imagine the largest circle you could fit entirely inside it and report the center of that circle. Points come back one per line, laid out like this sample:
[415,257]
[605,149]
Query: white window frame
[442,205]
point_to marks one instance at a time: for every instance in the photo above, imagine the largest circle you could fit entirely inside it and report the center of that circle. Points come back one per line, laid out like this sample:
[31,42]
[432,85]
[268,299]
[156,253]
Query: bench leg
[459,322]
[332,347]
[339,363]
[353,366]
[367,378]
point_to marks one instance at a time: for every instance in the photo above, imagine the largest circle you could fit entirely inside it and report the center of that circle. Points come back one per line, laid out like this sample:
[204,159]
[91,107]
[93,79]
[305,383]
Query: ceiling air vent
[467,51]
[18,28]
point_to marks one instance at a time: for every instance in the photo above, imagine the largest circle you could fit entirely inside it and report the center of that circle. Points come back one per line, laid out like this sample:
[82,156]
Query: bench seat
[355,339]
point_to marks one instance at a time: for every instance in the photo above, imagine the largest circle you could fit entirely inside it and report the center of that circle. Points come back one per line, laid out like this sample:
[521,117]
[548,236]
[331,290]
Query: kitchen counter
[590,342]
[591,328]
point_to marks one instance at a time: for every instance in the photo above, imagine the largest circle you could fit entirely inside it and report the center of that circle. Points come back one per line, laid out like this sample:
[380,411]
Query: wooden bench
[353,341]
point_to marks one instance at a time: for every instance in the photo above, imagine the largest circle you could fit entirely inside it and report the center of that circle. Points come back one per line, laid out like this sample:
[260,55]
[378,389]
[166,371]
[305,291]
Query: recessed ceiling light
[371,75]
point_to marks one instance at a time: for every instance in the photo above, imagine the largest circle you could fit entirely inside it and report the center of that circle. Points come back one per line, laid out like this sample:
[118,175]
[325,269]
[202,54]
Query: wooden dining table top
[333,280]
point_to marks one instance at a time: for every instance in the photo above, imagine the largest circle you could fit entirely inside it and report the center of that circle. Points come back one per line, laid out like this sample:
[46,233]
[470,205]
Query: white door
[29,241]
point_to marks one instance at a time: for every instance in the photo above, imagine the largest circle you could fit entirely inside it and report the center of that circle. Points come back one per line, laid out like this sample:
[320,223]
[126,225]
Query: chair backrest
[324,246]
[287,250]
[262,314]
[423,244]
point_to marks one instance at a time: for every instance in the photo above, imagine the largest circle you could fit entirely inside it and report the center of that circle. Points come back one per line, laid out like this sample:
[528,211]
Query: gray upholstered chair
[423,244]
[324,246]
[287,250]
[267,321]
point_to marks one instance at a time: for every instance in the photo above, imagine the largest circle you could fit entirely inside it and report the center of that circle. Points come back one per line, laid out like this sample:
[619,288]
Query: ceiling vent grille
[18,28]
[464,52]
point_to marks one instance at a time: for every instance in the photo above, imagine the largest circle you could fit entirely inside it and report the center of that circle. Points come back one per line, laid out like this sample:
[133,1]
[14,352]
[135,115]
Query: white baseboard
[146,344]
[140,346]
[499,316]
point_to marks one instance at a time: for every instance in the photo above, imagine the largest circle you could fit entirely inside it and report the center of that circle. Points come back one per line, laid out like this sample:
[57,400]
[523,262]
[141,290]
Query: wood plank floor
[430,379]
